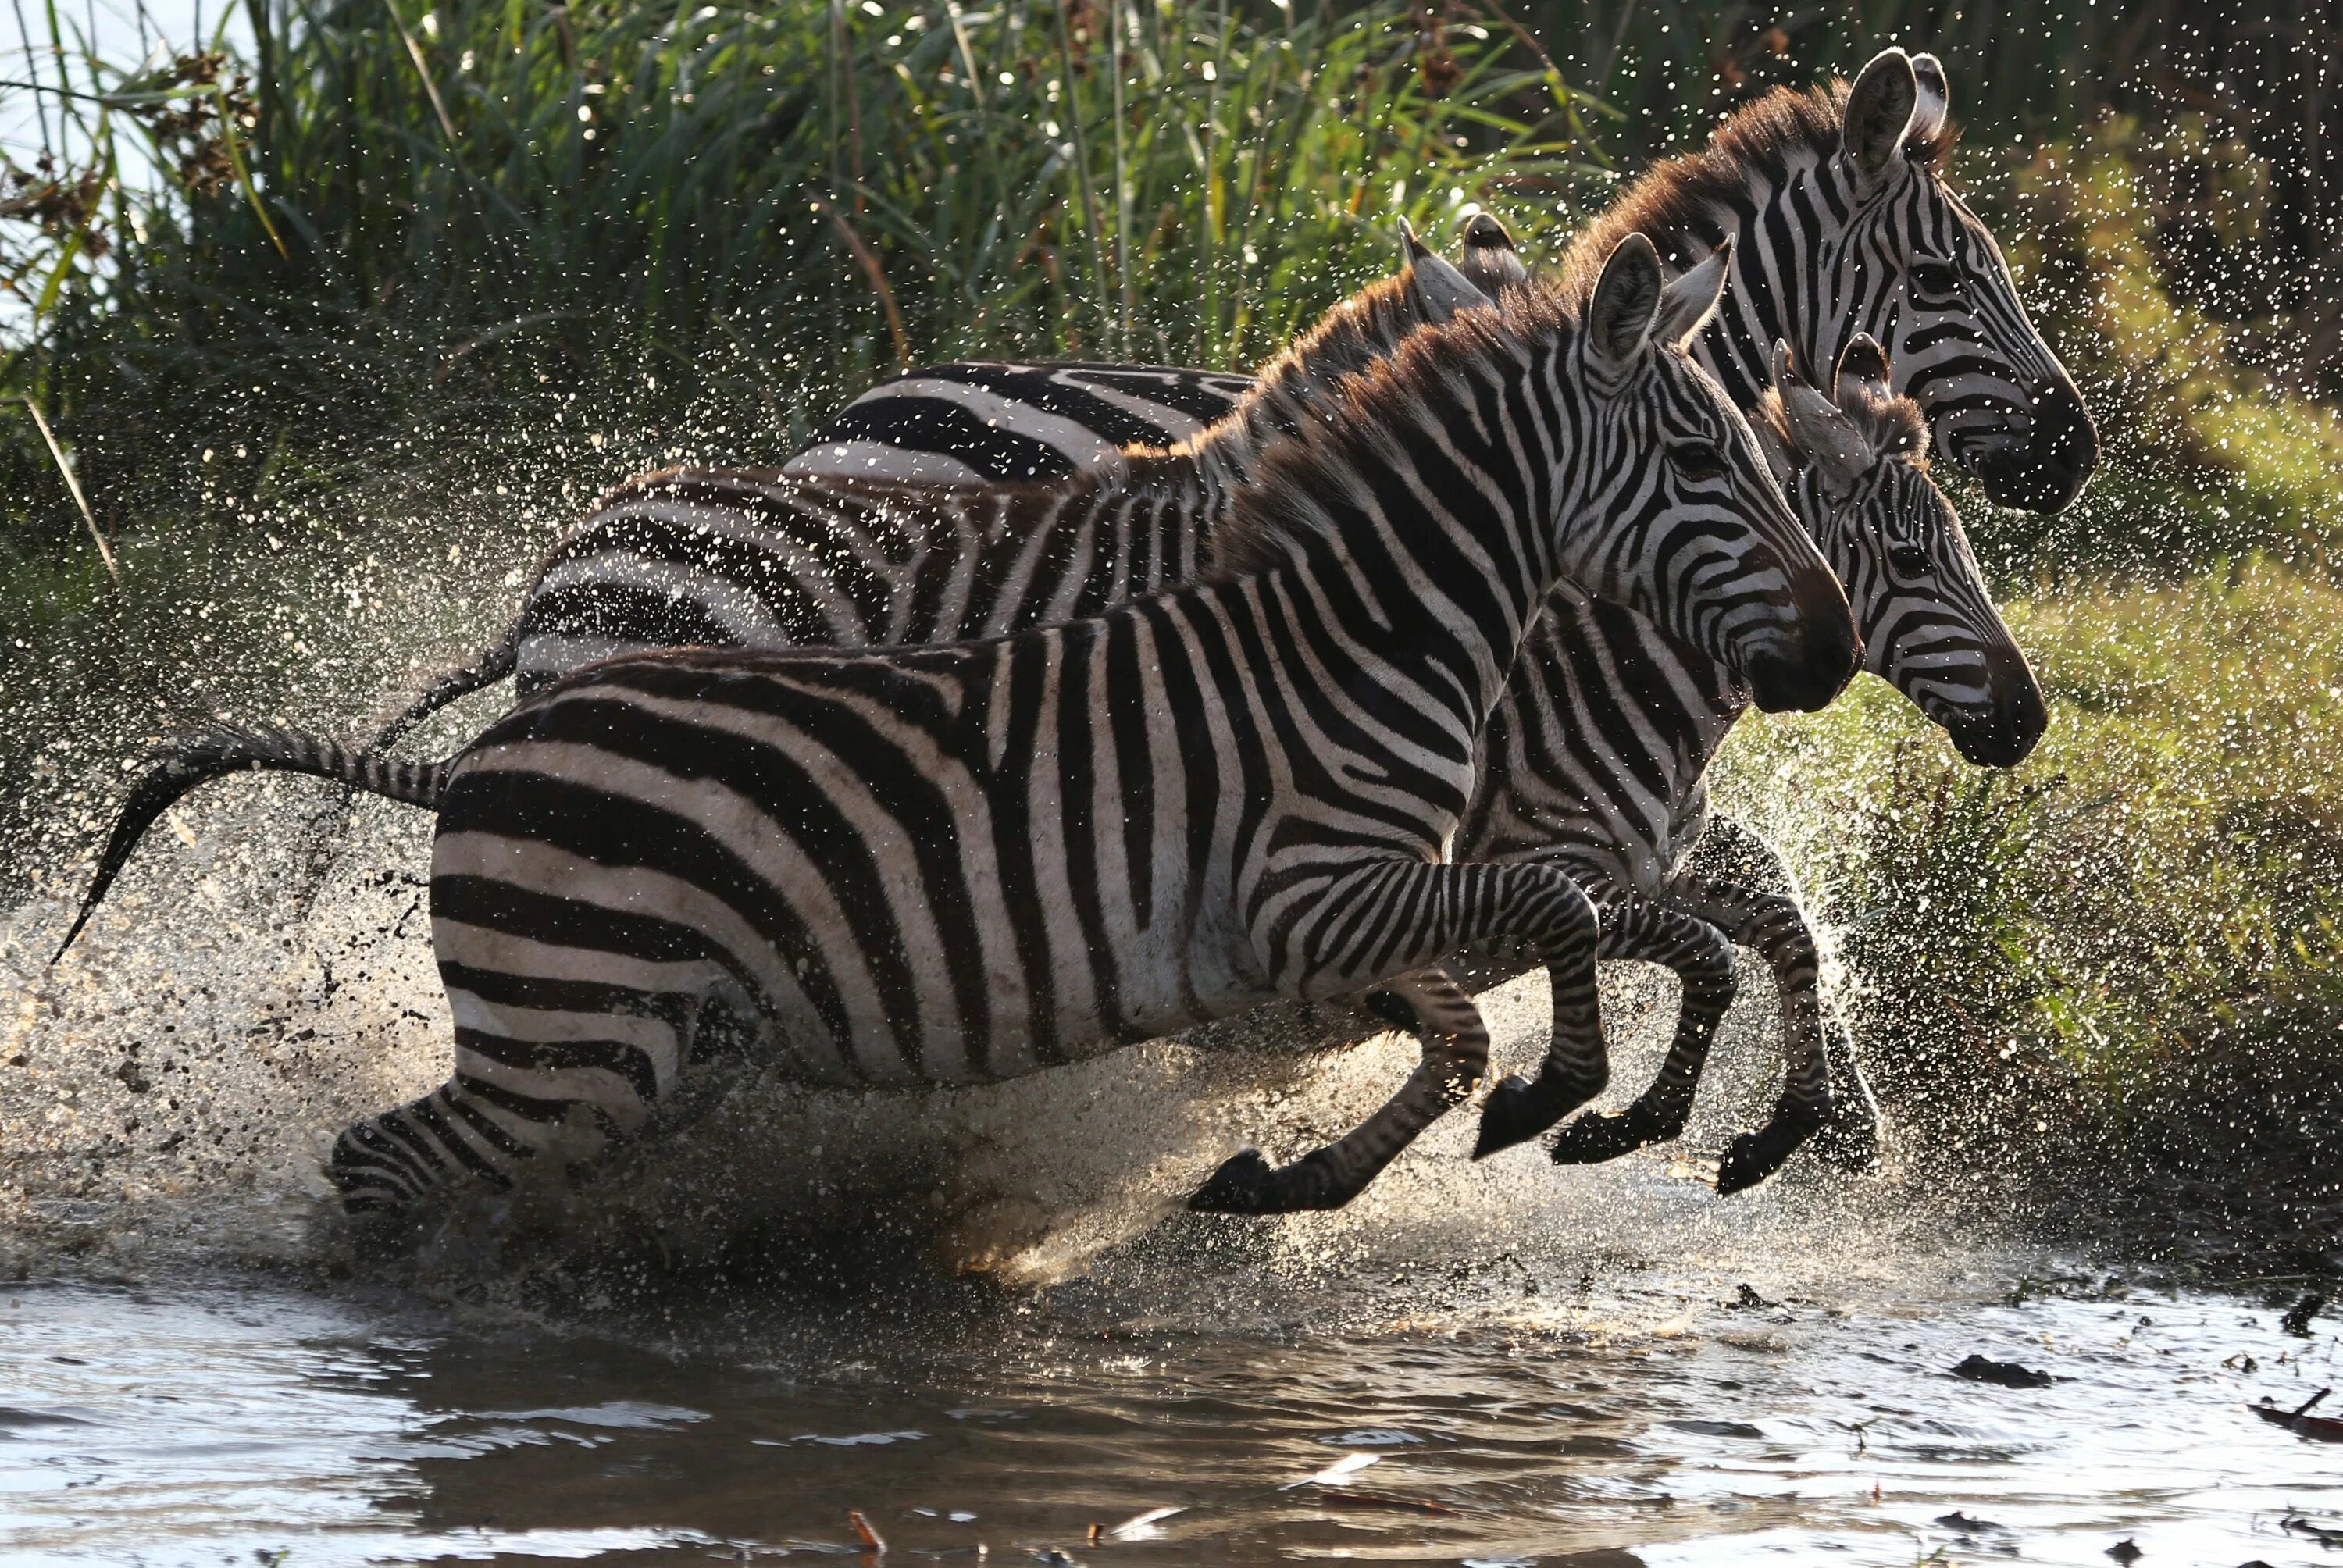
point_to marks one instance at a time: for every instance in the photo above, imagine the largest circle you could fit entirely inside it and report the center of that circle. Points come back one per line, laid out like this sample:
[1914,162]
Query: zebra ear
[1819,432]
[1936,100]
[1438,289]
[1879,110]
[1489,260]
[1686,304]
[1862,365]
[1627,301]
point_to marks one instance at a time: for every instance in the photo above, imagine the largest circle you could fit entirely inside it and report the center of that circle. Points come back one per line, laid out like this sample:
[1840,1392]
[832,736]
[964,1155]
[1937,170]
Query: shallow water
[1510,1421]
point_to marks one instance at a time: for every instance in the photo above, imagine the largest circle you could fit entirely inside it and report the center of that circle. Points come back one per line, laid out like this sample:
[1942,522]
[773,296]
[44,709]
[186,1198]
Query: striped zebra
[966,862]
[1845,224]
[1623,814]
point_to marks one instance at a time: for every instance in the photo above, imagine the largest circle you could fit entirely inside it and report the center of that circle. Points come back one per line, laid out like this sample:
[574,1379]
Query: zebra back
[700,556]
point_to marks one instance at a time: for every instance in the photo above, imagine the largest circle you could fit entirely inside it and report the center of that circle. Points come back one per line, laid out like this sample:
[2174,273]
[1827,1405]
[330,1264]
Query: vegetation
[474,217]
[2137,935]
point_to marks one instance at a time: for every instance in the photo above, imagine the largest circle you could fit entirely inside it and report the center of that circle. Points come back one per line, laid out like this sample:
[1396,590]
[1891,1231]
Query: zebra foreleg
[1455,1040]
[1345,932]
[1776,928]
[1848,1139]
[1701,955]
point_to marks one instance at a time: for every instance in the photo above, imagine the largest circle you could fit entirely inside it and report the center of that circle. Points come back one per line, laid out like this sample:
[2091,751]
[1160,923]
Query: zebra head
[1854,461]
[1690,528]
[1920,273]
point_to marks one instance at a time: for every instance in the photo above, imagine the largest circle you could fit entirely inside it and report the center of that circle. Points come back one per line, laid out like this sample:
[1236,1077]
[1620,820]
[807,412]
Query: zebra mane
[1359,330]
[1670,200]
[1371,409]
[1890,426]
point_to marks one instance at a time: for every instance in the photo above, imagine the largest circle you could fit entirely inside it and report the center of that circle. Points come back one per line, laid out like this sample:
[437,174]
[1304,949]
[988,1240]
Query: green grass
[2136,934]
[715,223]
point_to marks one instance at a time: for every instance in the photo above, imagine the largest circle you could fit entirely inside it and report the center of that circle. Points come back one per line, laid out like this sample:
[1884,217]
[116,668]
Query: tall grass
[479,214]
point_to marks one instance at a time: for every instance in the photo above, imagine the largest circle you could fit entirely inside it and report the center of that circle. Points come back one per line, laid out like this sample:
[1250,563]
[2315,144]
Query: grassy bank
[2131,947]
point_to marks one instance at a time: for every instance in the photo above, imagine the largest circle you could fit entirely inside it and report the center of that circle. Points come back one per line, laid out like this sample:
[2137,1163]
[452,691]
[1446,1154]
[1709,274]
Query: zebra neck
[1789,226]
[1688,697]
[1227,456]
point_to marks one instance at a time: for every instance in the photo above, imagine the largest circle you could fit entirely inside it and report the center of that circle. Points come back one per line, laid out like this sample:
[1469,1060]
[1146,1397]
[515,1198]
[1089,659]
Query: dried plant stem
[73,484]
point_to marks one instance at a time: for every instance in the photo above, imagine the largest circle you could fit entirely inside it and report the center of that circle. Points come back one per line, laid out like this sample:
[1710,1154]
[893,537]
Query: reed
[394,222]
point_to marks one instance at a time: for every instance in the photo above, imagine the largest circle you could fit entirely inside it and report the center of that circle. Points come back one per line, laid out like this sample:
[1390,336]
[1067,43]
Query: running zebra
[967,863]
[1623,816]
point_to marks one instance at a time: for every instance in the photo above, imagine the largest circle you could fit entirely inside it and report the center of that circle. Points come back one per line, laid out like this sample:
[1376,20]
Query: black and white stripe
[971,862]
[1844,223]
[993,424]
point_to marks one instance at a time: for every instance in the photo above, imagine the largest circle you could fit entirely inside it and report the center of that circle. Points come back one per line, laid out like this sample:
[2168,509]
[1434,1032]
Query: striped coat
[1215,795]
[972,861]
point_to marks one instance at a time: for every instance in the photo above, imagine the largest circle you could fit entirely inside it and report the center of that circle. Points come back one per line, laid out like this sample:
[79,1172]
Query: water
[980,1319]
[1512,1421]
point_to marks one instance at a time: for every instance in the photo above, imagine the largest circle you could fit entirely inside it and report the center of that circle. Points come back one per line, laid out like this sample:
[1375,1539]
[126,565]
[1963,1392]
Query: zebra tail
[180,765]
[489,667]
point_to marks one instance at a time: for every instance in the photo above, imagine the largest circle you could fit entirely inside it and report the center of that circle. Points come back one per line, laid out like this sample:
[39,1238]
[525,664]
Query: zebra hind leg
[1431,1005]
[386,1164]
[1703,957]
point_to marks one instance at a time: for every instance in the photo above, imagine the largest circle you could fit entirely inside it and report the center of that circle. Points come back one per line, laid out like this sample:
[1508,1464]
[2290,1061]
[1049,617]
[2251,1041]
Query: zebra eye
[1696,461]
[1937,279]
[1910,560]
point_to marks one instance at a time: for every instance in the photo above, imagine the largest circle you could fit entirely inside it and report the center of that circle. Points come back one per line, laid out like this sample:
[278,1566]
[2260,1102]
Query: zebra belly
[589,908]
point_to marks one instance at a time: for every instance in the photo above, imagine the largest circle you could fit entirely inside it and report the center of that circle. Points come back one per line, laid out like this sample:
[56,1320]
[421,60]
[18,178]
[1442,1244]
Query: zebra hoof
[1240,1186]
[1603,1135]
[1752,1157]
[1518,1111]
[1249,1185]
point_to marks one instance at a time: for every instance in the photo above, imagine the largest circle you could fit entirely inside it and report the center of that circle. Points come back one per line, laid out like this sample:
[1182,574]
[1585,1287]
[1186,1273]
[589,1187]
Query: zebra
[1623,816]
[964,863]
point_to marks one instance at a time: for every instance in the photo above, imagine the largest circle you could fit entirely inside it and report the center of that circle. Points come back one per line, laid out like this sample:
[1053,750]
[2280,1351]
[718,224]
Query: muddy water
[980,1319]
[211,1420]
